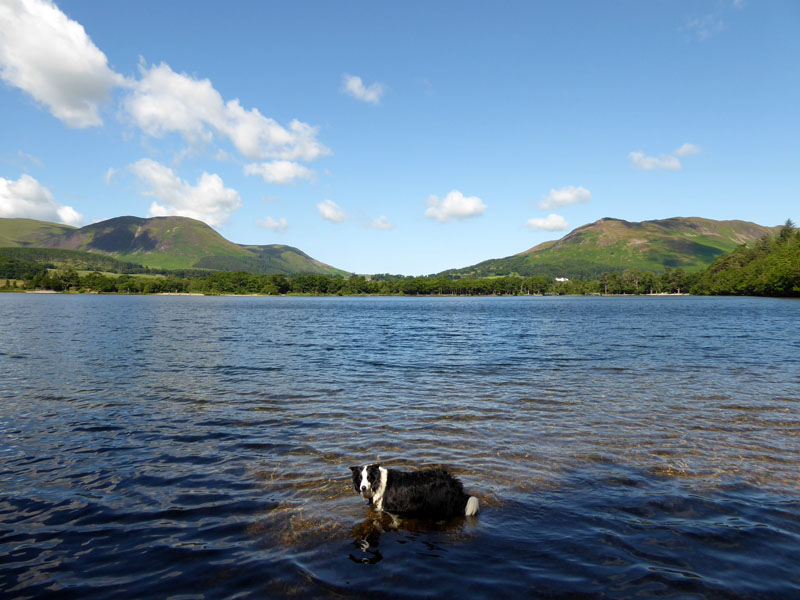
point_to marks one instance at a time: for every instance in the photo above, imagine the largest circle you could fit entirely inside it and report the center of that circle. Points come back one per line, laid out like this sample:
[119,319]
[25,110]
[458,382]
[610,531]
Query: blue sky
[400,137]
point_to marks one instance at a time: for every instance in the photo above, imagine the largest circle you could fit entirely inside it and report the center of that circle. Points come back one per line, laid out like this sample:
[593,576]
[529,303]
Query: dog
[423,494]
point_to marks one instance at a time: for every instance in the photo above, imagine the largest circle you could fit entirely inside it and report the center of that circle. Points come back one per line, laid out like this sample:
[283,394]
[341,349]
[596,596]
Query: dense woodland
[770,268]
[239,282]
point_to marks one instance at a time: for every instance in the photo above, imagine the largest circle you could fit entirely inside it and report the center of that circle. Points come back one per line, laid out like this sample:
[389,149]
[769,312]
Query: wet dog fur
[423,494]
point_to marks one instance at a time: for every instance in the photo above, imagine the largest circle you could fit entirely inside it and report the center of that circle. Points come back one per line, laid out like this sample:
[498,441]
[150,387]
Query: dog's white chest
[377,498]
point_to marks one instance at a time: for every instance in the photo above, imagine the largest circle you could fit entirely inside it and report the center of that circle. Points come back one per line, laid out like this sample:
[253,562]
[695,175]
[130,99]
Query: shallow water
[199,447]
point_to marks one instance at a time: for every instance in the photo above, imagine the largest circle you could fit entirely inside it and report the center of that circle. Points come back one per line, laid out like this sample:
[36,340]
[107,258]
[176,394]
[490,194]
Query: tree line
[769,268]
[240,282]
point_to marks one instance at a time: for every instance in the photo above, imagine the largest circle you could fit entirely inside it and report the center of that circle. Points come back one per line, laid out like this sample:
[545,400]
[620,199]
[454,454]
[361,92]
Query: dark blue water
[186,447]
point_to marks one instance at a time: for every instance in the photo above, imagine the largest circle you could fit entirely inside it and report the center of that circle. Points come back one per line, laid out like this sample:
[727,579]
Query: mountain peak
[168,243]
[611,244]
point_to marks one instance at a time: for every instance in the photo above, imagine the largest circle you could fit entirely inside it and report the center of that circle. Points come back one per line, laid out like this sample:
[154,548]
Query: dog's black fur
[424,494]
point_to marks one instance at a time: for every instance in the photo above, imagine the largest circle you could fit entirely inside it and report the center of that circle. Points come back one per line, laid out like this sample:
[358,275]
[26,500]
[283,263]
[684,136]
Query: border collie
[424,494]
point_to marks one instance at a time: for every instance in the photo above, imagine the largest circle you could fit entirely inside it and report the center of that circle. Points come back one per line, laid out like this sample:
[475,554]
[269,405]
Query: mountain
[28,232]
[616,245]
[162,242]
[771,267]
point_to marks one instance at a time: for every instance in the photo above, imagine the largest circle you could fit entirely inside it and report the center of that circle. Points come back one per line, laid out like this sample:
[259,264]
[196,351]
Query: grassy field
[84,273]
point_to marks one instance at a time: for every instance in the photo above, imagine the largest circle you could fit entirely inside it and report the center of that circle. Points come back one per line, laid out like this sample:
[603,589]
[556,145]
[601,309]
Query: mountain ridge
[163,242]
[19,232]
[610,244]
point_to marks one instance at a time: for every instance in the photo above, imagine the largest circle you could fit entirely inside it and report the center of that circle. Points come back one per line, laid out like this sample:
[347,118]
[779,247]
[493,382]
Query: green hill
[28,232]
[58,258]
[163,243]
[771,267]
[616,245]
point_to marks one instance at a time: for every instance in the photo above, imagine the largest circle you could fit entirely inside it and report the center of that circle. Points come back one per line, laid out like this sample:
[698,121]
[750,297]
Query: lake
[198,447]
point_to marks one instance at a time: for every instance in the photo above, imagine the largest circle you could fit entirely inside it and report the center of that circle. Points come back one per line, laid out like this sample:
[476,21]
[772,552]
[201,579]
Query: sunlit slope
[15,233]
[167,243]
[615,245]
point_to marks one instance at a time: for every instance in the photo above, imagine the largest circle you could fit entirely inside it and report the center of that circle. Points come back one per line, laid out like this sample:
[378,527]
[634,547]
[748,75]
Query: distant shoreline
[93,293]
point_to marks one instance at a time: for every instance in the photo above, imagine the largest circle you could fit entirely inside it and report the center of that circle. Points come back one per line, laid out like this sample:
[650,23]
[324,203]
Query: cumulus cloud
[551,222]
[565,196]
[669,162]
[381,223]
[279,171]
[454,206]
[331,211]
[109,176]
[269,223]
[208,200]
[352,85]
[164,101]
[48,55]
[651,163]
[687,150]
[27,198]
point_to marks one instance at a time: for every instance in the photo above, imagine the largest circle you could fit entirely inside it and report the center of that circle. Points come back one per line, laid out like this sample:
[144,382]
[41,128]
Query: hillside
[16,233]
[58,258]
[616,245]
[771,267]
[164,243]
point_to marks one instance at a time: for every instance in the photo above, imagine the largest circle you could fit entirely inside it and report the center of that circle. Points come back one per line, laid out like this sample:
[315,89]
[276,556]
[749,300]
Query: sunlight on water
[624,446]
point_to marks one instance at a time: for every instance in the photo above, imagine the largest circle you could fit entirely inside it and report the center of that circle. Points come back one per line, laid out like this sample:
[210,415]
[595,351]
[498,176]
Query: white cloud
[565,196]
[269,223]
[454,206]
[48,55]
[652,163]
[25,157]
[109,176]
[279,171]
[706,26]
[668,162]
[551,222]
[164,101]
[27,198]
[381,223]
[687,150]
[331,211]
[353,86]
[208,200]
[222,156]
[69,216]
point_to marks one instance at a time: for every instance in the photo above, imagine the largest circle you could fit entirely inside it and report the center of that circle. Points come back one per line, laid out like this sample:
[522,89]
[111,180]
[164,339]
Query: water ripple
[199,447]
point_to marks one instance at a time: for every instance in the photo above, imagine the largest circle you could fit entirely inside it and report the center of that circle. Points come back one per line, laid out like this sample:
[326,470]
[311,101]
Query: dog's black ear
[355,469]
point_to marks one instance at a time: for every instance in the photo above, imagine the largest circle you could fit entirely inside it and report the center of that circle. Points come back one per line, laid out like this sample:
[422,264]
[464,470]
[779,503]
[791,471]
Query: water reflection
[367,534]
[619,447]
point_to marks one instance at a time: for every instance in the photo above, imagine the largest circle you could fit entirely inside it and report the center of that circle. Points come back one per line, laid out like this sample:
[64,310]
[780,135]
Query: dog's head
[366,479]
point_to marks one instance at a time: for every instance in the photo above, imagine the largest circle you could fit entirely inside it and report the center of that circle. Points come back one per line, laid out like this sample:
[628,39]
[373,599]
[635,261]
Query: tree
[786,231]
[69,278]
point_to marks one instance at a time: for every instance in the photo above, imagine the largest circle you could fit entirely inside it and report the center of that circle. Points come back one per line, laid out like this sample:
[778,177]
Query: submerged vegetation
[769,268]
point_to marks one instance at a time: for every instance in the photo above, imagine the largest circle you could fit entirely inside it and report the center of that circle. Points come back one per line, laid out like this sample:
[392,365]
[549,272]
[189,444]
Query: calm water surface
[186,447]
